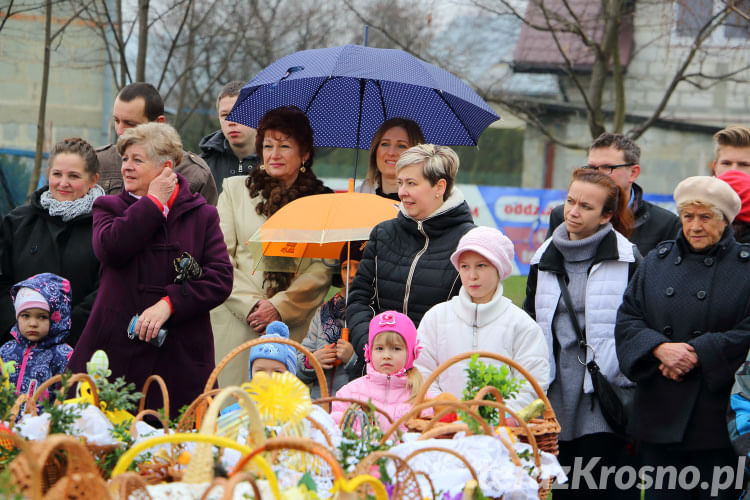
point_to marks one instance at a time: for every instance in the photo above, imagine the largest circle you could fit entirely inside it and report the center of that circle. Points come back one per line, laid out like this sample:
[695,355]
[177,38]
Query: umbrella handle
[345,336]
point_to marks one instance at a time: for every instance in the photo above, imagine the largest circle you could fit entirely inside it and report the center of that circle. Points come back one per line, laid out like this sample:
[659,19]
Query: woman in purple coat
[139,236]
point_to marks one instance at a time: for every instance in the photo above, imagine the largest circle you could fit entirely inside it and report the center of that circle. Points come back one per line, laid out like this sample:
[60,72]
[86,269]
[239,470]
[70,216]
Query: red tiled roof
[536,50]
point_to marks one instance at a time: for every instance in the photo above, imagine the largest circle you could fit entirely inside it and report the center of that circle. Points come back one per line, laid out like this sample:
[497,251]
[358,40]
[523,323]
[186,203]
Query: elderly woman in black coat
[682,331]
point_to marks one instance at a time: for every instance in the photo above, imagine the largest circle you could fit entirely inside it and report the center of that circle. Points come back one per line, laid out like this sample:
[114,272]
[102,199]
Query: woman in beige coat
[285,139]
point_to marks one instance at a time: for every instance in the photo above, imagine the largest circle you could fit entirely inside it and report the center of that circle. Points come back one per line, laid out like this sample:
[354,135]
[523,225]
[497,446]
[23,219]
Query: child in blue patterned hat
[272,357]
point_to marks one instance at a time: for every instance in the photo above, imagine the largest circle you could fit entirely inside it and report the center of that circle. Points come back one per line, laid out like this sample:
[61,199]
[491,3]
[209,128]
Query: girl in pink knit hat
[392,382]
[480,318]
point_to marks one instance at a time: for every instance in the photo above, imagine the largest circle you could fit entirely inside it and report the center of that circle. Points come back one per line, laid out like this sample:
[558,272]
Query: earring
[262,167]
[303,169]
[437,196]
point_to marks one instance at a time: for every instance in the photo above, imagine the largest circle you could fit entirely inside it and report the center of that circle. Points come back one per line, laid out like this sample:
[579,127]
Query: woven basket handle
[319,373]
[76,377]
[548,411]
[446,404]
[153,413]
[200,468]
[164,394]
[293,443]
[364,404]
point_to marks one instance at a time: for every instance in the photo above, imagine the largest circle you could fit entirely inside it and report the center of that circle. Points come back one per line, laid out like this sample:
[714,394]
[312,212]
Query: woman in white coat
[480,318]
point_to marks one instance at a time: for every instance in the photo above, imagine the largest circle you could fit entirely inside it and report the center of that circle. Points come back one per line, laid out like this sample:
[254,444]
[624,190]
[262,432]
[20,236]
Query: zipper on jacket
[413,266]
[239,167]
[387,389]
[475,343]
[26,356]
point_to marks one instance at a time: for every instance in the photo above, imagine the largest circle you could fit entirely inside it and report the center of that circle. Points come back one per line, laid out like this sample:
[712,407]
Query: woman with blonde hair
[163,259]
[406,264]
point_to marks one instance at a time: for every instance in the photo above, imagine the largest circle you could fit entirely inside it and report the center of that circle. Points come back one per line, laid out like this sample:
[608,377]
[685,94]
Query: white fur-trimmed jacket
[614,263]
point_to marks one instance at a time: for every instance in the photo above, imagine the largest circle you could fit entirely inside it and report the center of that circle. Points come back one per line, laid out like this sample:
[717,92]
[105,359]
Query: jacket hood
[214,141]
[452,212]
[56,290]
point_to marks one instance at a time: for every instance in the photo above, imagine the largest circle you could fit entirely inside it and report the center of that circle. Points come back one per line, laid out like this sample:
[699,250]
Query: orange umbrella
[317,226]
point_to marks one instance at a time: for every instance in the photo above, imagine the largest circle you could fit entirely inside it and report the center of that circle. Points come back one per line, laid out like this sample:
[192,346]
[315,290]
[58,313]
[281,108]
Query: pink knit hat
[491,244]
[27,298]
[392,321]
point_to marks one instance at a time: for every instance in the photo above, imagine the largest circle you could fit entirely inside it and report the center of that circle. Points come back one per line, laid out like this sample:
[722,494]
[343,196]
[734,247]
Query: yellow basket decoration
[281,398]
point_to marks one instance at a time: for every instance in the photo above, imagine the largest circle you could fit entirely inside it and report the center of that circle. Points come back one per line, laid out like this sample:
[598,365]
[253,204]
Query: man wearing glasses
[619,157]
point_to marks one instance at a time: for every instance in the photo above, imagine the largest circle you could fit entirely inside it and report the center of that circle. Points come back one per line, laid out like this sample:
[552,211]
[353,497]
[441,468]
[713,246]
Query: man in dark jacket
[619,157]
[141,103]
[231,150]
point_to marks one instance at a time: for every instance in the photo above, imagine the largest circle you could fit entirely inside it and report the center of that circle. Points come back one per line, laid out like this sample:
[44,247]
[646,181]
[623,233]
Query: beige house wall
[77,86]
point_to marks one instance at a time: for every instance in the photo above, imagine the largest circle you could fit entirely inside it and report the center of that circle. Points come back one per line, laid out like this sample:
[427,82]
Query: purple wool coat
[136,246]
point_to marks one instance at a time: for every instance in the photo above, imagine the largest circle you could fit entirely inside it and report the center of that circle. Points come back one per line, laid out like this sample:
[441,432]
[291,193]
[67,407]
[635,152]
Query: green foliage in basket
[62,417]
[117,395]
[8,490]
[7,394]
[479,375]
[107,462]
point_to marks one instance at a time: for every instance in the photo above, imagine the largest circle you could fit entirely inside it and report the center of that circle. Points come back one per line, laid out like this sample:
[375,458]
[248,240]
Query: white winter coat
[499,326]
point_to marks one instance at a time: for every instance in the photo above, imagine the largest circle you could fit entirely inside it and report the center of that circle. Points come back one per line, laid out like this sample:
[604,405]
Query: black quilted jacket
[406,267]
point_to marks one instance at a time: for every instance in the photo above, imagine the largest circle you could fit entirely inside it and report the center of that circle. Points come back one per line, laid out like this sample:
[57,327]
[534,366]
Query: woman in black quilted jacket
[406,264]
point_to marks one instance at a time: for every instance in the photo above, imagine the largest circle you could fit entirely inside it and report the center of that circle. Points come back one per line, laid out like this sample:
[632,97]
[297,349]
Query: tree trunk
[140,70]
[611,9]
[36,172]
[118,28]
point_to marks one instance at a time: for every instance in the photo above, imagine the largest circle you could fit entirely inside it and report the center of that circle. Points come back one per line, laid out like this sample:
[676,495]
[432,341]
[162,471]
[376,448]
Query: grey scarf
[69,210]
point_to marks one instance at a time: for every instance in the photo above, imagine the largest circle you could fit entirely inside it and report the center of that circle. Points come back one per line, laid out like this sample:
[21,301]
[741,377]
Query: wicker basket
[201,463]
[545,429]
[55,468]
[405,483]
[78,476]
[211,382]
[365,405]
[340,483]
[164,394]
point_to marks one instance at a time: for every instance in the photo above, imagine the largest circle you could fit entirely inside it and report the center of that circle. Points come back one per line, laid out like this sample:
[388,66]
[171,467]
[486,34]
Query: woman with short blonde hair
[406,264]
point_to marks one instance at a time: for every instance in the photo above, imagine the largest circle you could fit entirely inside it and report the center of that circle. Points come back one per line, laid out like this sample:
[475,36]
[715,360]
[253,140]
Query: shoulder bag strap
[571,312]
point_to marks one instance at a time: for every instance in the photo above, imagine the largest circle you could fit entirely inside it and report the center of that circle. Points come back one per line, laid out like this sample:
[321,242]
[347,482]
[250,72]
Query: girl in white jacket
[481,319]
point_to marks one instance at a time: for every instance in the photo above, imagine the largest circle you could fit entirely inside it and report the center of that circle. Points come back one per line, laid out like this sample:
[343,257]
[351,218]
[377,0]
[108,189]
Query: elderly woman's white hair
[438,162]
[161,141]
[709,192]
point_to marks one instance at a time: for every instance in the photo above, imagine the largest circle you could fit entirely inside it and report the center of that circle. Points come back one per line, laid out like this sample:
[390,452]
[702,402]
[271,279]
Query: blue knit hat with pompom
[285,354]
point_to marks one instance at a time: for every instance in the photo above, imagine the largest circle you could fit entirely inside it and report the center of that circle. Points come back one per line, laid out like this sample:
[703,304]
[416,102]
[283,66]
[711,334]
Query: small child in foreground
[392,382]
[42,305]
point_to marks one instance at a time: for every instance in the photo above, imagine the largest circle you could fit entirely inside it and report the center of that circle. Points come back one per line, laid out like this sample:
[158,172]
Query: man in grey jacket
[139,103]
[230,150]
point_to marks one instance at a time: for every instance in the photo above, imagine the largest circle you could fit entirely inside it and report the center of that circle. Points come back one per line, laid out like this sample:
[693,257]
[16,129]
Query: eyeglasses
[606,169]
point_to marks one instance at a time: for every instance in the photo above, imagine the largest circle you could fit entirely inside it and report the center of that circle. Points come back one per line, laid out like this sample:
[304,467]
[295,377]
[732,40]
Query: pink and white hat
[392,321]
[26,298]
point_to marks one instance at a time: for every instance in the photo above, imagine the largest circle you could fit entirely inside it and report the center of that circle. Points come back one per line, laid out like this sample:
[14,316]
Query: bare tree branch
[705,31]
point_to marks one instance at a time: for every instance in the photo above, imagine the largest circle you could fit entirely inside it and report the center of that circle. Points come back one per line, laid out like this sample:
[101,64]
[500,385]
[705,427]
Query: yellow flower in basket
[280,398]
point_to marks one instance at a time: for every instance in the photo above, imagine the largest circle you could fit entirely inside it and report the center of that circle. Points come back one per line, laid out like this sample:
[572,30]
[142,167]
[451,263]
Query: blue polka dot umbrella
[347,92]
